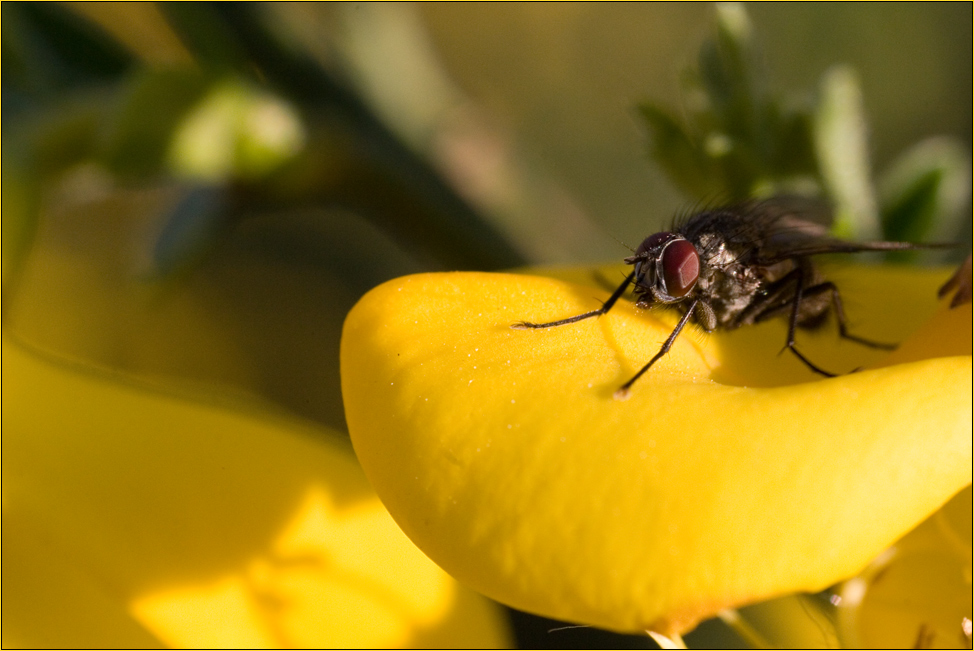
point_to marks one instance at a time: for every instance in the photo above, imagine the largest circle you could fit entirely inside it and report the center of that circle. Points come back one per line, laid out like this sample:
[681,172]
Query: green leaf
[54,49]
[675,151]
[728,72]
[794,146]
[739,142]
[154,103]
[236,131]
[924,192]
[840,142]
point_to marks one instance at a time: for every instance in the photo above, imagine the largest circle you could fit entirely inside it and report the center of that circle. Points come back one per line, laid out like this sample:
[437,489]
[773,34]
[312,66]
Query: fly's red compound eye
[653,241]
[681,266]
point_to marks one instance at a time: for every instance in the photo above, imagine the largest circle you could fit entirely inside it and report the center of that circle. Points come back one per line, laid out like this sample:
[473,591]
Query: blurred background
[194,195]
[260,167]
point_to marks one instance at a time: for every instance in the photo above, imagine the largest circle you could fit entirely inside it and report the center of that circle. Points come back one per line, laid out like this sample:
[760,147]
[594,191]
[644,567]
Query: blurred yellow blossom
[133,518]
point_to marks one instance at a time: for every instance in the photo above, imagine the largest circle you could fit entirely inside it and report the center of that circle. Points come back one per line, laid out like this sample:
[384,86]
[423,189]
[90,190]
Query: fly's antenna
[623,243]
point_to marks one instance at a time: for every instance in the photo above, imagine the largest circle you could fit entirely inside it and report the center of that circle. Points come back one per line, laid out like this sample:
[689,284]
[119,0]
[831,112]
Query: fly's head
[667,267]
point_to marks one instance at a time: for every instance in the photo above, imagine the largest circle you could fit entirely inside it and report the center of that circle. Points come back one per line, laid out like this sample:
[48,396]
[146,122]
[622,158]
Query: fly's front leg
[623,392]
[527,325]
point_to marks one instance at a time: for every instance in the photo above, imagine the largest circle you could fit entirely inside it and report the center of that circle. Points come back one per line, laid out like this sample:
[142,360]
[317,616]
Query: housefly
[734,266]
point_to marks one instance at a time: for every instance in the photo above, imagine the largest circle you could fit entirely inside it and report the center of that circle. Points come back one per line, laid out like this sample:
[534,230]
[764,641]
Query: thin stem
[748,633]
[673,641]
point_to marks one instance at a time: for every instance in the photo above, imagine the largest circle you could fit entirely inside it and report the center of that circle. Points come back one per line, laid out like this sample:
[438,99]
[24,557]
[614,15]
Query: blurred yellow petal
[918,594]
[502,454]
[137,519]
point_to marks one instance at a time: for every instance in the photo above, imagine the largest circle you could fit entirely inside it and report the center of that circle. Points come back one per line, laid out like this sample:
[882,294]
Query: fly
[735,266]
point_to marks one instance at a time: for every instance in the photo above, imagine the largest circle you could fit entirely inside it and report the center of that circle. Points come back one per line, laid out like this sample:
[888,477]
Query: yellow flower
[136,519]
[731,475]
[918,593]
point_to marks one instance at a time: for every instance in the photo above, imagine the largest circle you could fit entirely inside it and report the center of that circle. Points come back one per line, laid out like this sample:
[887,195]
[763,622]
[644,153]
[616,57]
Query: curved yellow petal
[917,594]
[134,519]
[503,455]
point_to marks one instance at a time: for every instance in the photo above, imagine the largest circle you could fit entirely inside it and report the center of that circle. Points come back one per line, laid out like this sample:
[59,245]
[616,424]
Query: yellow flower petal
[918,594]
[502,454]
[137,519]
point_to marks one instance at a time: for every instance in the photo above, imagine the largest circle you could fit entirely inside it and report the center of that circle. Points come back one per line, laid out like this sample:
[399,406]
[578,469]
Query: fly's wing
[793,237]
[767,228]
[788,235]
[767,232]
[797,248]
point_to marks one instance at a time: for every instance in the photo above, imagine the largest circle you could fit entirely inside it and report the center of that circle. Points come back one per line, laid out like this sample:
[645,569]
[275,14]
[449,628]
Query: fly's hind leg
[815,290]
[772,308]
[841,318]
[776,301]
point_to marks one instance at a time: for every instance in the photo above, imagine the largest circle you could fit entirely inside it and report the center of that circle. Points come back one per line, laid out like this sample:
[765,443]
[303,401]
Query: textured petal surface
[731,474]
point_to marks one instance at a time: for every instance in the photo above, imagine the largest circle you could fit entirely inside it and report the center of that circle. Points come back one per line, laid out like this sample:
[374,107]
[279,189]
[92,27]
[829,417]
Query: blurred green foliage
[249,179]
[85,100]
[740,142]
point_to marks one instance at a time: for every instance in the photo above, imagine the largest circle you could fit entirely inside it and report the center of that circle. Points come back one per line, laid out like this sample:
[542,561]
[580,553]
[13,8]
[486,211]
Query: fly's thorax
[714,252]
[727,284]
